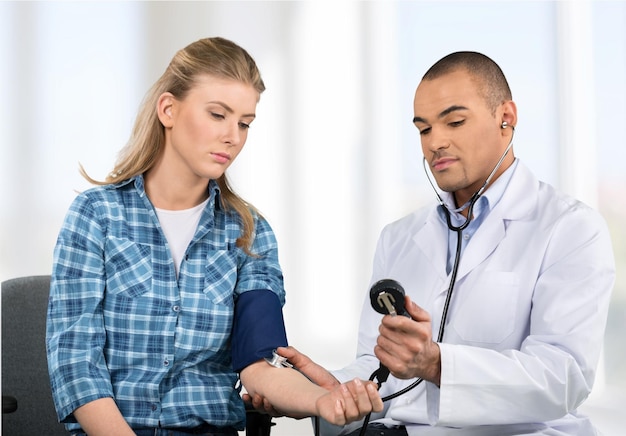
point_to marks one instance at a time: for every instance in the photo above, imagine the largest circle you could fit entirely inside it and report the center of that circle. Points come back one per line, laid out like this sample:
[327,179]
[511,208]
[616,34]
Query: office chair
[27,407]
[25,379]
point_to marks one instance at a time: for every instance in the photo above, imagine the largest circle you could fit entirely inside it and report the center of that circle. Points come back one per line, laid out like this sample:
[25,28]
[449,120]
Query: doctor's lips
[221,157]
[442,163]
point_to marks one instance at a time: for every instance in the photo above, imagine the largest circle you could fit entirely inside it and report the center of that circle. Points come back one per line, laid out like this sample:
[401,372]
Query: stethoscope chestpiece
[278,361]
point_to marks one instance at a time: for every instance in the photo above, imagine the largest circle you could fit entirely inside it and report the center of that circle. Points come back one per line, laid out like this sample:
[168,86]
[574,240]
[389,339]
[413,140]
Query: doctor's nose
[435,142]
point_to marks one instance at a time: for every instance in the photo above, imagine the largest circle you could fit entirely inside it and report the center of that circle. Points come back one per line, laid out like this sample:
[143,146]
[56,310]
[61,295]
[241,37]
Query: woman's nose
[232,134]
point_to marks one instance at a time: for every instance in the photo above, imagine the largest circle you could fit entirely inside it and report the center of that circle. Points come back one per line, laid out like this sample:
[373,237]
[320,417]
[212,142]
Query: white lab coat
[526,321]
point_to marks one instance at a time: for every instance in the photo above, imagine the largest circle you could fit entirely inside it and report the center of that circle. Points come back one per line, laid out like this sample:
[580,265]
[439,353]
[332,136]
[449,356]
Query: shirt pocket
[128,267]
[487,313]
[220,276]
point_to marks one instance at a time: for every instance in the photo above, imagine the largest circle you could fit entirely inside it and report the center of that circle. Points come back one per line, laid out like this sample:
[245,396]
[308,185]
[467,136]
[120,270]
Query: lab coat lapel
[432,240]
[518,200]
[489,236]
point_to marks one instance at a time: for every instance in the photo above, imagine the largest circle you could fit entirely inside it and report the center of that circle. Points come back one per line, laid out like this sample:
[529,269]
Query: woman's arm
[258,328]
[75,334]
[294,395]
[101,417]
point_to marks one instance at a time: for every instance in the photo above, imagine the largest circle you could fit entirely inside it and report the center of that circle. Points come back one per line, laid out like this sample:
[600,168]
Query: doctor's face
[462,138]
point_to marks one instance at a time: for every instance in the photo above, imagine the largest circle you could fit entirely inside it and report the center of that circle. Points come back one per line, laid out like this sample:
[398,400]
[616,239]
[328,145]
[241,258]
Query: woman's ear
[165,108]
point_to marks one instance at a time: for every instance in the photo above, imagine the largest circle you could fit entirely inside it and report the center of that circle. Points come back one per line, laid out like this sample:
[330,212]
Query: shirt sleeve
[258,326]
[262,270]
[75,329]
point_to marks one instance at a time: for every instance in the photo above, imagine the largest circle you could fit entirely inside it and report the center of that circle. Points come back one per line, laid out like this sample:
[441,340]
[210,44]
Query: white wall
[333,155]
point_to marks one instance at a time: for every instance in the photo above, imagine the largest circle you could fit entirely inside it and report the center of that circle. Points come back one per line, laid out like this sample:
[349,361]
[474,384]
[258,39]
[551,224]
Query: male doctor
[526,316]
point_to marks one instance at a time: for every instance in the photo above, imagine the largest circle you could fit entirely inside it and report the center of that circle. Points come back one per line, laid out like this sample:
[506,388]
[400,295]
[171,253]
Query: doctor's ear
[508,116]
[164,108]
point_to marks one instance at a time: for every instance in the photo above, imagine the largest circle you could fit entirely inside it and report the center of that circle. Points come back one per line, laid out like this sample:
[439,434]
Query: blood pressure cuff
[258,327]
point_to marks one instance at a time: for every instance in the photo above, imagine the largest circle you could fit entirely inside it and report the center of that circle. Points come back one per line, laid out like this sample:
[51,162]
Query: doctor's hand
[406,346]
[349,402]
[314,372]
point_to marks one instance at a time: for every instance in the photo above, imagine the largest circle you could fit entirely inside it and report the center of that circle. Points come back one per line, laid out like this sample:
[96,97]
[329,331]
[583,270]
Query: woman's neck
[170,192]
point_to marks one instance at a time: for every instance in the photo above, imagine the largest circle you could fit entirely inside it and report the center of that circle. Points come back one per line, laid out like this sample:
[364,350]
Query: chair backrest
[24,361]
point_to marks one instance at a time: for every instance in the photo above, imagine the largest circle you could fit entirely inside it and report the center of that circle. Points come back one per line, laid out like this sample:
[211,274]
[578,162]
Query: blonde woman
[166,287]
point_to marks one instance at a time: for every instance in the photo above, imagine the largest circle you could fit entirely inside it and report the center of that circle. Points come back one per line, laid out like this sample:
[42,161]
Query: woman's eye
[244,126]
[217,116]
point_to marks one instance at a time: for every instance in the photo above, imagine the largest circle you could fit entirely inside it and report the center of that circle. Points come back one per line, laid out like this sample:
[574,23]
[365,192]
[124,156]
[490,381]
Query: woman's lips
[221,157]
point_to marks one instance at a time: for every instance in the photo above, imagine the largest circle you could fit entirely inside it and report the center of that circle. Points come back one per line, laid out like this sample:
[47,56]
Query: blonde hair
[217,57]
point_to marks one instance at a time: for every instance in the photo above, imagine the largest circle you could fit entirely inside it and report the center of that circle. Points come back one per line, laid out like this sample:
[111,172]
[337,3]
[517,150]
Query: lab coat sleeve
[553,371]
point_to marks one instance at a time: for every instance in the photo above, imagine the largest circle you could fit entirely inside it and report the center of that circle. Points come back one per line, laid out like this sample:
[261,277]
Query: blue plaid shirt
[121,325]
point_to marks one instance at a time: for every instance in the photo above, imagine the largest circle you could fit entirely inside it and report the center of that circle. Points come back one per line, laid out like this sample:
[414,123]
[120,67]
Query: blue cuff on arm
[258,327]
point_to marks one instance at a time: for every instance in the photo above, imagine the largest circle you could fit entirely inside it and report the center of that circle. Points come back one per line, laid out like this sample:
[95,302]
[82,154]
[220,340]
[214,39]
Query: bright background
[333,155]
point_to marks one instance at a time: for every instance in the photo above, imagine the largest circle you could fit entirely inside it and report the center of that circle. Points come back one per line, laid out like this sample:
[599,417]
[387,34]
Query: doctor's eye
[424,131]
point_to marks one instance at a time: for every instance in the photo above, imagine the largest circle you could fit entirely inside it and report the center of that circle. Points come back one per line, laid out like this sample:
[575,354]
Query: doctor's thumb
[416,312]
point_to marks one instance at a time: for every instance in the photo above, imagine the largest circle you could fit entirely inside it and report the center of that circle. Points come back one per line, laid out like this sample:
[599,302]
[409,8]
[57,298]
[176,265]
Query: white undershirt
[179,226]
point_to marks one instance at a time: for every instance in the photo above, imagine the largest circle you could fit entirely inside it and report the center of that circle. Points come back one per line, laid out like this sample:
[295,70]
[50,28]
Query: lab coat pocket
[486,311]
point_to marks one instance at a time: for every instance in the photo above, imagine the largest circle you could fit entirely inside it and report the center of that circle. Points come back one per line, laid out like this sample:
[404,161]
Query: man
[526,314]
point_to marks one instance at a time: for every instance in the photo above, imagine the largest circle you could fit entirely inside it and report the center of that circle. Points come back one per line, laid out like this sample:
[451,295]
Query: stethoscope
[469,205]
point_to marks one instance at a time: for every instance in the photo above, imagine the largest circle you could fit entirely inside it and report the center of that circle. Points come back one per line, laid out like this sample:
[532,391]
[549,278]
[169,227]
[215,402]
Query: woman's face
[206,130]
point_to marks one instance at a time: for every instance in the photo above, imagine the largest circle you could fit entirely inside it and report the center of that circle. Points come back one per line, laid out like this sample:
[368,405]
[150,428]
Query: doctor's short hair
[491,80]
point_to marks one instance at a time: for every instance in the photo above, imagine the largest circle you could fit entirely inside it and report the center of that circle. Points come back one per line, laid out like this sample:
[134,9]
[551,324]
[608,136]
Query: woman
[166,286]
